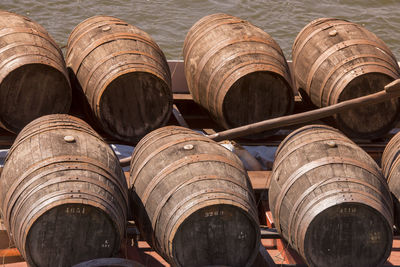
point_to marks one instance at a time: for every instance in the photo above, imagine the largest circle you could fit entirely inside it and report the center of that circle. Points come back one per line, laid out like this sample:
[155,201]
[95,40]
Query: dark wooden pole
[392,90]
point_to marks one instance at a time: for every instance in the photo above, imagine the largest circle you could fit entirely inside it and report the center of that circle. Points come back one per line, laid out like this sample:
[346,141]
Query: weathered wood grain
[330,200]
[236,71]
[336,60]
[33,78]
[63,195]
[193,200]
[124,75]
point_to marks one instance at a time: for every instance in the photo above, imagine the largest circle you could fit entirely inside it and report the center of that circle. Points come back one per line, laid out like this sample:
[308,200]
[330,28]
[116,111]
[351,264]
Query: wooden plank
[19,264]
[260,179]
[183,96]
[8,253]
[394,257]
[4,240]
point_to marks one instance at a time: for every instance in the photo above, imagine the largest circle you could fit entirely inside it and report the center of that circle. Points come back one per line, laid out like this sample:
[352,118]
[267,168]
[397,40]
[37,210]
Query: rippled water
[169,20]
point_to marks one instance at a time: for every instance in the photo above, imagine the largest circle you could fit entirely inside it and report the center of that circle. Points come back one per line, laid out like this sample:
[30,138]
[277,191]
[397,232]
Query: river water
[168,21]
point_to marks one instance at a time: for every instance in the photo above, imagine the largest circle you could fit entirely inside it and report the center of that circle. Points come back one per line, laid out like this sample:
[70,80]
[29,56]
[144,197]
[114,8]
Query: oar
[391,90]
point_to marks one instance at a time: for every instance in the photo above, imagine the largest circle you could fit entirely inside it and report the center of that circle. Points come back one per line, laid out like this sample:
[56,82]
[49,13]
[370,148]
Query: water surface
[168,21]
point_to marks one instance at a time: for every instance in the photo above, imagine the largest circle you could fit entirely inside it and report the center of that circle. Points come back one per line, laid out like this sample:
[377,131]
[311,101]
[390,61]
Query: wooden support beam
[260,179]
[178,116]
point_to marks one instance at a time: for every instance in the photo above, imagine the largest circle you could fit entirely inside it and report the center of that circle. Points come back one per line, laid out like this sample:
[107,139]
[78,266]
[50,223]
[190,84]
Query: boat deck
[189,114]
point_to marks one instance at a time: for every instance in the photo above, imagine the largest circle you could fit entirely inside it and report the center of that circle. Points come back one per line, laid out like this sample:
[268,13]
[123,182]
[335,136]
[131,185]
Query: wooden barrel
[330,200]
[236,71]
[63,195]
[33,76]
[124,75]
[336,60]
[195,203]
[391,170]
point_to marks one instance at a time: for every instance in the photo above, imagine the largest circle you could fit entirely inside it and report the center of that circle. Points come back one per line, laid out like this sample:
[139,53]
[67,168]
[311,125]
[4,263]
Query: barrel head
[134,104]
[255,97]
[368,121]
[216,235]
[69,234]
[31,91]
[348,234]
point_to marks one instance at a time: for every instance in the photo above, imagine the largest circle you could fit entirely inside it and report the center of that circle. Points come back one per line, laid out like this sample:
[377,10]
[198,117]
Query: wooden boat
[273,250]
